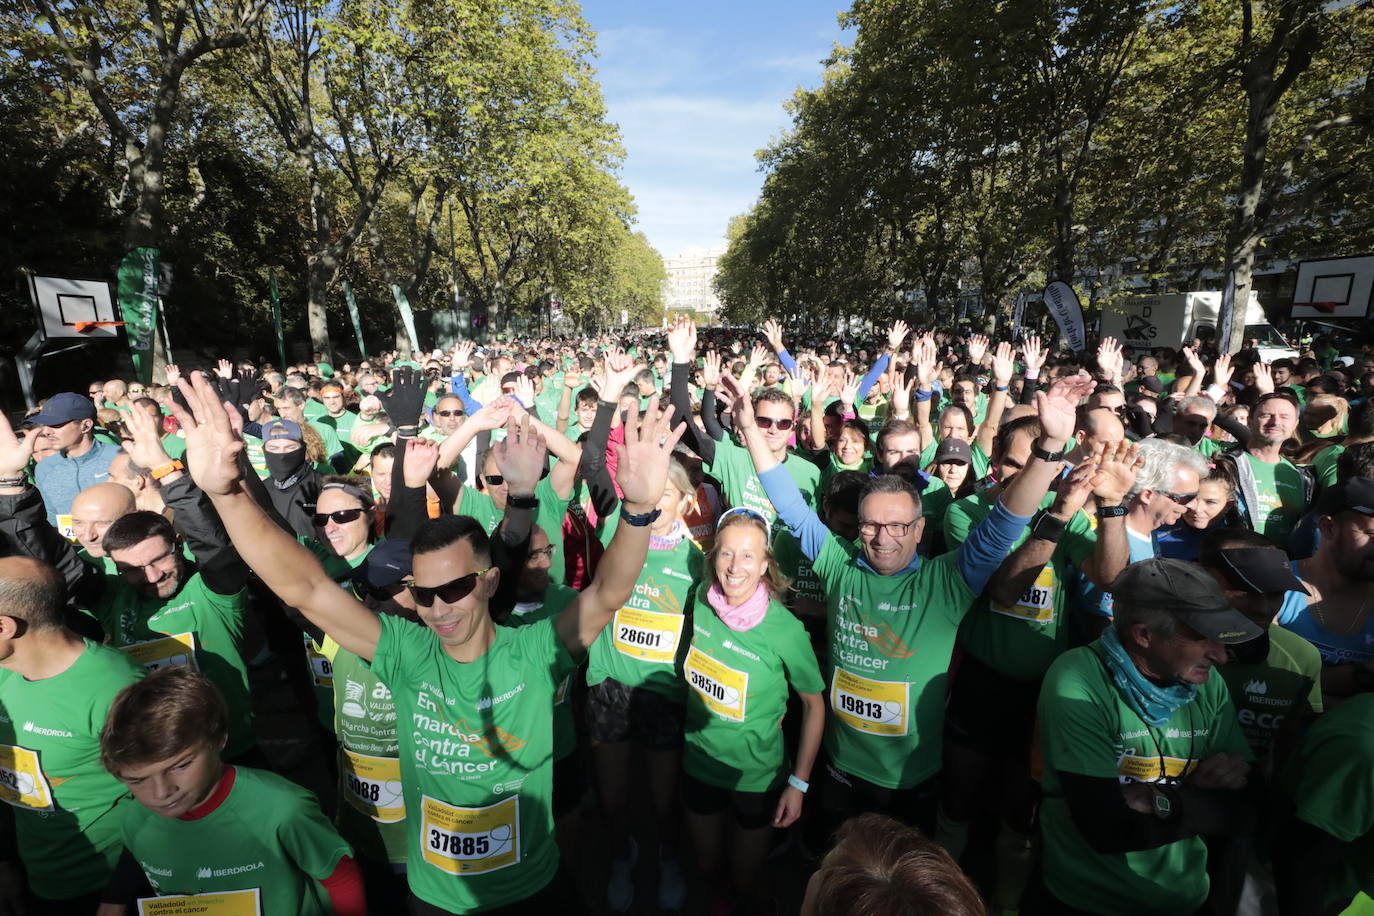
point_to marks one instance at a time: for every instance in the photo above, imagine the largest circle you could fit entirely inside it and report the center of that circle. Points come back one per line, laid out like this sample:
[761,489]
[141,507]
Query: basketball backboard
[68,308]
[1334,288]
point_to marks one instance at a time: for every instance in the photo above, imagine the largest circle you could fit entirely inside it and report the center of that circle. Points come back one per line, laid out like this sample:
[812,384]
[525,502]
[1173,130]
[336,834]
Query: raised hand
[15,450]
[621,370]
[406,398]
[1109,358]
[799,382]
[772,332]
[572,379]
[1116,469]
[757,356]
[1003,364]
[1264,378]
[524,391]
[740,406]
[213,441]
[927,369]
[1074,489]
[521,457]
[901,395]
[145,450]
[495,415]
[710,373]
[682,339]
[1058,407]
[488,390]
[1033,354]
[850,391]
[642,468]
[1194,361]
[461,355]
[418,463]
[224,369]
[897,334]
[173,374]
[1222,371]
[977,347]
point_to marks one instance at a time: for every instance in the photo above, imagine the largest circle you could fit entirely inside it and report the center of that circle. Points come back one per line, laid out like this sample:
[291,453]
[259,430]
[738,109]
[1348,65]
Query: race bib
[321,668]
[228,903]
[1037,604]
[721,688]
[471,841]
[169,651]
[872,707]
[373,786]
[1131,768]
[66,527]
[648,636]
[22,782]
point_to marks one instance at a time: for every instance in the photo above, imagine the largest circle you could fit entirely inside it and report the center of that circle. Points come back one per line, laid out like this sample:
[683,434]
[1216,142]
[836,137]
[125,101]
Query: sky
[697,88]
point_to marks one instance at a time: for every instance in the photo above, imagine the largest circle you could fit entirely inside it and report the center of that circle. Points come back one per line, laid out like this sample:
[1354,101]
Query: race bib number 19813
[873,707]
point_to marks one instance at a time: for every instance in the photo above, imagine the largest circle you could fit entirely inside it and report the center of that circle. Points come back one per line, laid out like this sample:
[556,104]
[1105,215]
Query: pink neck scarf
[740,617]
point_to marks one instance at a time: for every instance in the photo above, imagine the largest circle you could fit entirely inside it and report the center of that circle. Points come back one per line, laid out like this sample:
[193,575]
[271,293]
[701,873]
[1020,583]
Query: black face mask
[283,466]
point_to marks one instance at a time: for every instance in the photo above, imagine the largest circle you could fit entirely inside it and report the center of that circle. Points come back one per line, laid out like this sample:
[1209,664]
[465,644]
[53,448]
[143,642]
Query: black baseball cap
[1188,592]
[1354,494]
[385,564]
[1257,570]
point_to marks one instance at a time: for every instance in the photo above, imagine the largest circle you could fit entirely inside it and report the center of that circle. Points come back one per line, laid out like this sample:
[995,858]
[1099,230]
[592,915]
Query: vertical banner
[353,313]
[1062,302]
[407,316]
[1228,306]
[138,281]
[1018,317]
[276,317]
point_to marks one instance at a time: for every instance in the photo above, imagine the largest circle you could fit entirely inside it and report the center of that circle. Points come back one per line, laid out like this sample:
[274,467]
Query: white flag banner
[1062,302]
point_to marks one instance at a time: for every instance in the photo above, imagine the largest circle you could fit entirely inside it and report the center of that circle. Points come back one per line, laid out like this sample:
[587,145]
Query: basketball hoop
[1326,308]
[85,327]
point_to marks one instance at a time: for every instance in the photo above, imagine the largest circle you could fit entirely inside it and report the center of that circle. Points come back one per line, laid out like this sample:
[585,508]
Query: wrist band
[522,502]
[1003,387]
[158,473]
[1032,376]
[923,396]
[13,481]
[798,783]
[1111,511]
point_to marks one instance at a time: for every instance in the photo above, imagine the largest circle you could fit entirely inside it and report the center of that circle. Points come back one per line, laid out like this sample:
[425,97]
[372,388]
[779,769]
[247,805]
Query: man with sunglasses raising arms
[474,701]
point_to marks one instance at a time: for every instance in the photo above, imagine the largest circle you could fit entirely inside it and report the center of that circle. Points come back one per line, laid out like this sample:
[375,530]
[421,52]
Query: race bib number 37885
[471,841]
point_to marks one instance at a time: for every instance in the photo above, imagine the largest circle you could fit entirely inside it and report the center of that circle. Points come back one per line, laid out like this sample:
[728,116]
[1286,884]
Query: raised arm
[642,473]
[460,357]
[1033,355]
[288,569]
[1002,368]
[682,343]
[772,332]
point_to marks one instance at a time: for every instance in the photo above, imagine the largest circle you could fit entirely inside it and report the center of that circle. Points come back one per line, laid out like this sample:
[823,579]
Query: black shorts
[844,795]
[750,810]
[568,787]
[618,713]
[989,711]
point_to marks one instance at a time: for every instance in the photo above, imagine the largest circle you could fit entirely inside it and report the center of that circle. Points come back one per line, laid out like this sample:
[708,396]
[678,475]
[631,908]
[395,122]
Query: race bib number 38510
[471,841]
[873,707]
[721,688]
[22,782]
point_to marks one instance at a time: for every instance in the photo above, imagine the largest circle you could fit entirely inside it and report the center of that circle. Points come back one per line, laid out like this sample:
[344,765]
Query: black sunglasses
[449,413]
[494,480]
[450,592]
[783,423]
[338,517]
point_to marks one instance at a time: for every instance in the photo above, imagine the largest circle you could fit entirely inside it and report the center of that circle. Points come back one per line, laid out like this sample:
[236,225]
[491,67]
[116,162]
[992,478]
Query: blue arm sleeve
[988,545]
[871,379]
[800,518]
[786,359]
[459,385]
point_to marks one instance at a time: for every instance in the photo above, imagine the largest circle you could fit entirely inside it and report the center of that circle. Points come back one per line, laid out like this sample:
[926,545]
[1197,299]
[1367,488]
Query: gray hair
[1161,622]
[1163,460]
[1198,404]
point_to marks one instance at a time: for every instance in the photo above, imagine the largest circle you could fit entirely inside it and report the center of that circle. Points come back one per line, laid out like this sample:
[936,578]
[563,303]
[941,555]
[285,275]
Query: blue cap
[282,429]
[64,408]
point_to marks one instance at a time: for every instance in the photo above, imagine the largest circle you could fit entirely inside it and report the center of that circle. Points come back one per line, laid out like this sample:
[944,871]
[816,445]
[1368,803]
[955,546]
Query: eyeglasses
[1182,499]
[127,568]
[493,480]
[338,517]
[893,529]
[542,553]
[136,390]
[450,592]
[449,413]
[782,423]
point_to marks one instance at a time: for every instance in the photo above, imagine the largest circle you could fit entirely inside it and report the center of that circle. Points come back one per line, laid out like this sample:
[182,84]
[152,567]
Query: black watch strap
[1111,511]
[1048,528]
[1044,455]
[522,502]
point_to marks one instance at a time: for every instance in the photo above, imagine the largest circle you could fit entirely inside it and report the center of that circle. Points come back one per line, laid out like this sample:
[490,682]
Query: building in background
[688,287]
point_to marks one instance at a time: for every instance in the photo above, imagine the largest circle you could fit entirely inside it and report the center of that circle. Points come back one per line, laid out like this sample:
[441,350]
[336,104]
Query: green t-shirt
[1086,728]
[1287,682]
[194,627]
[830,465]
[806,585]
[1280,491]
[174,445]
[332,445]
[740,486]
[555,600]
[737,695]
[313,409]
[66,807]
[890,639]
[644,644]
[1208,448]
[1331,782]
[372,813]
[1020,640]
[268,834]
[476,761]
[1324,465]
[321,666]
[549,516]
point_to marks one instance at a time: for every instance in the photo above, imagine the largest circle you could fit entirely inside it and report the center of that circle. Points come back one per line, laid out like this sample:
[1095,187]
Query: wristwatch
[1048,528]
[639,521]
[1045,455]
[1165,802]
[523,502]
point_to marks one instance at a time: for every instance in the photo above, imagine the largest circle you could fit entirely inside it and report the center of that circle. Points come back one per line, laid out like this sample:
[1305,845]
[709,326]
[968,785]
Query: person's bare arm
[1022,566]
[213,441]
[1114,479]
[1002,367]
[642,473]
[1057,410]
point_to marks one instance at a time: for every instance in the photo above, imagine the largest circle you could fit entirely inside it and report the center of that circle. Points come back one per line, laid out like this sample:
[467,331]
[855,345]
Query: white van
[1174,319]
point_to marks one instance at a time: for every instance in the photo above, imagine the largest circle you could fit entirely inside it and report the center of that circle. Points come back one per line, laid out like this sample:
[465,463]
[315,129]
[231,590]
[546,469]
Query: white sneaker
[672,884]
[620,890]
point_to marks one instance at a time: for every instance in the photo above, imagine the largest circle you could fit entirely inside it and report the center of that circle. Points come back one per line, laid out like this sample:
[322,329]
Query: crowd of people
[951,625]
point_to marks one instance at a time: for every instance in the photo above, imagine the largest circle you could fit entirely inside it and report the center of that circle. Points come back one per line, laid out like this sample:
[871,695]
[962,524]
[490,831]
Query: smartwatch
[1111,511]
[1165,802]
[1048,528]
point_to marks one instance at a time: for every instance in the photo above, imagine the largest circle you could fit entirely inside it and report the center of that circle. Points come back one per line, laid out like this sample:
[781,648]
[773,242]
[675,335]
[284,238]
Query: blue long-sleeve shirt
[976,559]
[459,386]
[865,384]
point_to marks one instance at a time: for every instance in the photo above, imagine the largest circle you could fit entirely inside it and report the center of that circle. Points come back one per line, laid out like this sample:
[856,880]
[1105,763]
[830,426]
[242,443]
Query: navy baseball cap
[386,564]
[282,429]
[64,408]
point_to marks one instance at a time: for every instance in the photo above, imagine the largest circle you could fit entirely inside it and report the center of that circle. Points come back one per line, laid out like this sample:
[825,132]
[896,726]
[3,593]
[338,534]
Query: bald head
[31,591]
[95,509]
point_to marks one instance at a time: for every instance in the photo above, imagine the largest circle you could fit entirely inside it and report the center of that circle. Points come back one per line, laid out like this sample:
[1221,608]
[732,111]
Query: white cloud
[675,216]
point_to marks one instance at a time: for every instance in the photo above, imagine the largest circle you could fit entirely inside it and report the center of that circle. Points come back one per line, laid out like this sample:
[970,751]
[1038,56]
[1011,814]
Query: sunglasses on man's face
[449,413]
[338,517]
[450,592]
[782,423]
[494,480]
